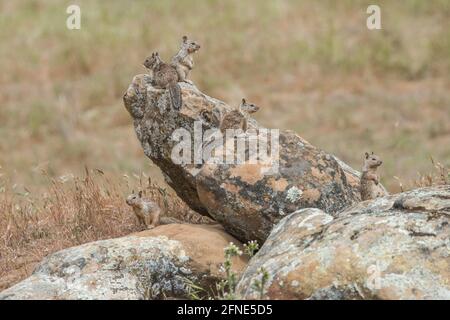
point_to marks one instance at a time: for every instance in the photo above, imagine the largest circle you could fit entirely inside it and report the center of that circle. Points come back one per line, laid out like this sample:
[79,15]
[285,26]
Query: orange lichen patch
[311,195]
[278,184]
[400,264]
[278,292]
[344,259]
[310,275]
[351,179]
[249,173]
[434,264]
[322,176]
[207,197]
[388,293]
[230,187]
[193,104]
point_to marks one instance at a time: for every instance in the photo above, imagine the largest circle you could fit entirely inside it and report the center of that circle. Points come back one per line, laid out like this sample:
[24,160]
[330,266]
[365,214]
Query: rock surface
[246,202]
[396,247]
[152,264]
[155,121]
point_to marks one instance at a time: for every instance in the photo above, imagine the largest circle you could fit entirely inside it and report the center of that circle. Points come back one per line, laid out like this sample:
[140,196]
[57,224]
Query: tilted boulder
[395,247]
[152,264]
[155,121]
[246,202]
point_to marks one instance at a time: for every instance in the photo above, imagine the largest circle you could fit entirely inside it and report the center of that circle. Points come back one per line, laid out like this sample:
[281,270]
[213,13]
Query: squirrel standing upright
[370,188]
[150,215]
[236,119]
[183,61]
[146,211]
[166,77]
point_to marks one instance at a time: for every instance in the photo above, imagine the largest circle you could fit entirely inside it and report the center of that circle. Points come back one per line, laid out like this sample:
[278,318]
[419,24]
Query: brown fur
[164,76]
[146,211]
[237,119]
[150,215]
[370,188]
[183,61]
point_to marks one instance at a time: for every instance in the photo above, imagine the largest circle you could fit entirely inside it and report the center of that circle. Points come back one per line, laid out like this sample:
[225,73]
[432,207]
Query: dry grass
[439,176]
[71,212]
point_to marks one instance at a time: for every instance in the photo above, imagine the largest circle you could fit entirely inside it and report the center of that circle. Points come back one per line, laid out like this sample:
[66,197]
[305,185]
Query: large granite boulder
[242,197]
[155,122]
[152,264]
[248,202]
[395,247]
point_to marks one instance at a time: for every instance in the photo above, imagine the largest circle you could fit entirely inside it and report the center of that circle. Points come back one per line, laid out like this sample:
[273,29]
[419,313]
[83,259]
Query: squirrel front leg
[183,70]
[181,73]
[141,221]
[154,220]
[189,64]
[373,177]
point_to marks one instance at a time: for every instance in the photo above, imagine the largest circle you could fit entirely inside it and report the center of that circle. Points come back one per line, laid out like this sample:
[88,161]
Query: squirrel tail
[175,95]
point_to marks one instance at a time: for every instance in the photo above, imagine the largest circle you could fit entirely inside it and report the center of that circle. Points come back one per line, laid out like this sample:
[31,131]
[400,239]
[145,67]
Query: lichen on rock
[247,199]
[153,264]
[395,247]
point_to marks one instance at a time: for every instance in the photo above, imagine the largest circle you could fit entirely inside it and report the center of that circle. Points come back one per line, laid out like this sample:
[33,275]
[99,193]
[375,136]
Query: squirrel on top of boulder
[370,188]
[167,76]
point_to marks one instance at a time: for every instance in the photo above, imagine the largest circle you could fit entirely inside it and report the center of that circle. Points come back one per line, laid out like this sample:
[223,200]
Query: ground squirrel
[164,76]
[150,215]
[369,178]
[146,211]
[183,61]
[238,118]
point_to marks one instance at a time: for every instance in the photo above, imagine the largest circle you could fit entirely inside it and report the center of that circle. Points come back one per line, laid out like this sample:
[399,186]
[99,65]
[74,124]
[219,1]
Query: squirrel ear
[132,191]
[140,194]
[367,155]
[184,38]
[243,100]
[157,54]
[372,152]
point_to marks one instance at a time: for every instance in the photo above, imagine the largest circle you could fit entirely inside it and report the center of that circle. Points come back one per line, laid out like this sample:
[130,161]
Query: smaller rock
[152,264]
[394,247]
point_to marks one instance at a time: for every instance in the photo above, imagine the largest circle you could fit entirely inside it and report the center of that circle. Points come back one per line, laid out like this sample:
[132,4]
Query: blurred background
[312,66]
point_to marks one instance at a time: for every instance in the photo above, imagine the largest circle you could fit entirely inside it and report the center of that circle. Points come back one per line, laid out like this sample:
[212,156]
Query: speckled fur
[183,61]
[369,179]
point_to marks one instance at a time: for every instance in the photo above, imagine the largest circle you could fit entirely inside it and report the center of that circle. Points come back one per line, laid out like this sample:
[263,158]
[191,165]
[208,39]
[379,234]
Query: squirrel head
[248,107]
[371,161]
[190,45]
[152,61]
[134,198]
